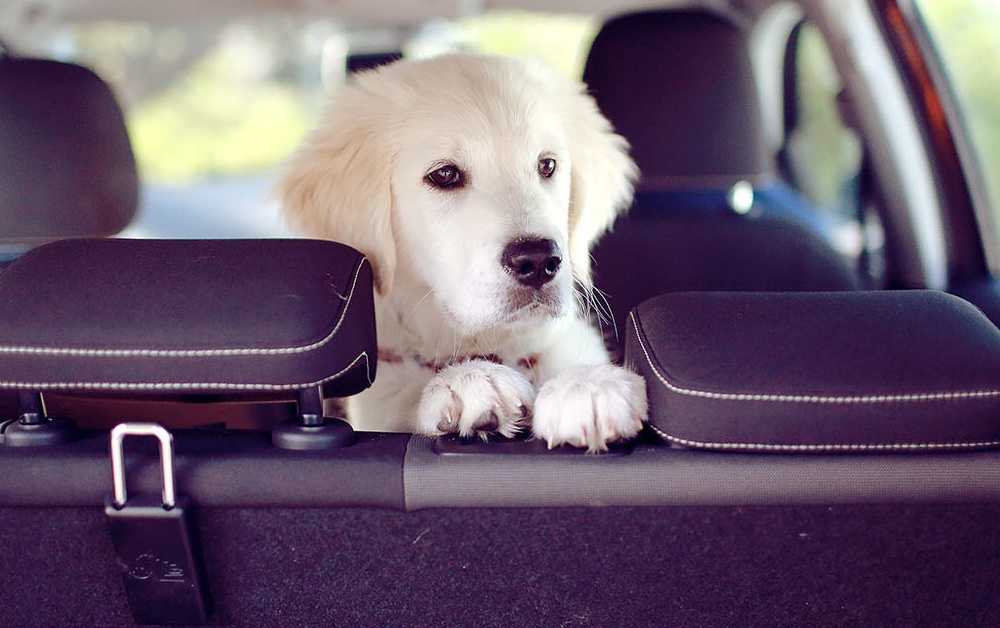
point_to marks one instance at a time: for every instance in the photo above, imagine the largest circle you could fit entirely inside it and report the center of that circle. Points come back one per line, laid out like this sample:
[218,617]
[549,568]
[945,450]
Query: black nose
[532,261]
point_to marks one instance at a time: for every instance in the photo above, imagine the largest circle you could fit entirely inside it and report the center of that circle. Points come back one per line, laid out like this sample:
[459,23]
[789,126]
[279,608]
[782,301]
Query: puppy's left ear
[336,186]
[601,180]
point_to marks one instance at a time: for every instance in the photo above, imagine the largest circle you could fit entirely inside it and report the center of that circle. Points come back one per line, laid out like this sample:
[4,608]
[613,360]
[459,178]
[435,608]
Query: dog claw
[476,398]
[447,424]
[488,421]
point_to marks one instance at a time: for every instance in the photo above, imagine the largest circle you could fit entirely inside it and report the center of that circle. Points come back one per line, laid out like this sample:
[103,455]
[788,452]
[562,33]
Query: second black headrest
[66,163]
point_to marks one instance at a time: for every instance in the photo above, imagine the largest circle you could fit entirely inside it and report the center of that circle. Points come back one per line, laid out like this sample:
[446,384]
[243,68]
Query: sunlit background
[205,102]
[213,110]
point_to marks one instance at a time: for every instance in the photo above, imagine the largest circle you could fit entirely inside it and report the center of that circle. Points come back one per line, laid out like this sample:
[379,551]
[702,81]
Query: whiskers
[418,303]
[593,304]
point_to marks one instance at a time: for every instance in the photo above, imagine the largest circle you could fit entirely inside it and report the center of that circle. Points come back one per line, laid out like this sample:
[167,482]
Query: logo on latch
[147,566]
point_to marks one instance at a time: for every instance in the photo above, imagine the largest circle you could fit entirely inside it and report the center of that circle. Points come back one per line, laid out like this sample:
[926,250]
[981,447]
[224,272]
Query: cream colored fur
[443,296]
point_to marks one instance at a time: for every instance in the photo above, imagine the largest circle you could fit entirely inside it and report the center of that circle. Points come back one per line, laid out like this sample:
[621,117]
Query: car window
[964,35]
[210,110]
[822,155]
[213,109]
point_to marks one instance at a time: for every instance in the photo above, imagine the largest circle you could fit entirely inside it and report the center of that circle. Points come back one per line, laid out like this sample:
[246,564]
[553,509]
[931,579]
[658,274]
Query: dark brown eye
[445,177]
[546,166]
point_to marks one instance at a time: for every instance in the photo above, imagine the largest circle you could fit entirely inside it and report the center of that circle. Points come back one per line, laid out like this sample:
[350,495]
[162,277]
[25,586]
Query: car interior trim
[911,199]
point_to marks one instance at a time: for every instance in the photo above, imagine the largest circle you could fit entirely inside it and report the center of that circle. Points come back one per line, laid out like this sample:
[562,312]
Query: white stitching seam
[147,353]
[831,447]
[787,398]
[155,386]
[822,399]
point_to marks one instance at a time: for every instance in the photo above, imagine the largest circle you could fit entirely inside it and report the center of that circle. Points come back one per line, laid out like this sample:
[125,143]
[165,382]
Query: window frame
[973,247]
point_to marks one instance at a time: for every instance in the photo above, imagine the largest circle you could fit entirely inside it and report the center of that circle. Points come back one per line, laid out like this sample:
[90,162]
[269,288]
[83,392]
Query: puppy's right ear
[336,187]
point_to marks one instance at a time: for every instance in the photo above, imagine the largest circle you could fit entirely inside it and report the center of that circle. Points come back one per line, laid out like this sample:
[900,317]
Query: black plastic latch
[155,541]
[311,431]
[34,427]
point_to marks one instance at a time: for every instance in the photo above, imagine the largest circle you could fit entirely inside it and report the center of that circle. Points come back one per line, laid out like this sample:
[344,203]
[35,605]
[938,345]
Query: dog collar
[393,357]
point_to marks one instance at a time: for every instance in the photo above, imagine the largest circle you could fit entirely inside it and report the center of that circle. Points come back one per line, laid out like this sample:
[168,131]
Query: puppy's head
[483,180]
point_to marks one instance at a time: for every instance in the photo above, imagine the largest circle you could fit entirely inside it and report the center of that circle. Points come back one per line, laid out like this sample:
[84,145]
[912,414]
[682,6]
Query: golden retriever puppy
[475,185]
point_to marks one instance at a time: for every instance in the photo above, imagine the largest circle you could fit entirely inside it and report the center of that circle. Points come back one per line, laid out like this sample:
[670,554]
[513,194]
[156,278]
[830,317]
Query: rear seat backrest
[66,163]
[678,84]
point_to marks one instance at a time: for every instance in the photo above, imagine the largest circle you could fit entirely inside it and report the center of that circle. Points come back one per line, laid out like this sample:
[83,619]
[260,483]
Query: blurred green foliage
[212,122]
[205,102]
[967,33]
[824,154]
[561,41]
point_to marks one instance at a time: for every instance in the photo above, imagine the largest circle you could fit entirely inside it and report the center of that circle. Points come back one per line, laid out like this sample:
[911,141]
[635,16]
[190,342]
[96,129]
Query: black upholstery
[66,164]
[679,86]
[814,372]
[177,316]
[656,250]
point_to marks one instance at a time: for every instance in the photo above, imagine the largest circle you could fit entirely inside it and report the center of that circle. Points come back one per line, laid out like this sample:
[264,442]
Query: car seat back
[709,213]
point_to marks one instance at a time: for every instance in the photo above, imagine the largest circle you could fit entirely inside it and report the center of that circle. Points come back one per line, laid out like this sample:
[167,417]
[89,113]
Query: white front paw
[590,406]
[475,397]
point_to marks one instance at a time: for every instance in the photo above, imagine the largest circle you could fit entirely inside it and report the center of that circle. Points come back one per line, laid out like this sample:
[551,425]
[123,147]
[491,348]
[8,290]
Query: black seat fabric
[172,317]
[678,84]
[818,372]
[66,164]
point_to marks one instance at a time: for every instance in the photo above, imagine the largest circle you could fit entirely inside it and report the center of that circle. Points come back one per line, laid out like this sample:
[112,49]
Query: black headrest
[188,317]
[66,164]
[678,84]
